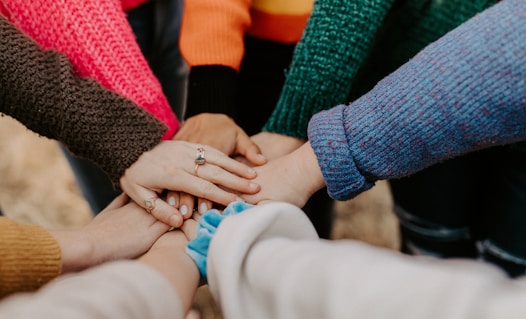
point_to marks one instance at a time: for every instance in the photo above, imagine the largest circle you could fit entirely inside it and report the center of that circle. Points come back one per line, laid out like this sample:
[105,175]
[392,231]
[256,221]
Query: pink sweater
[100,44]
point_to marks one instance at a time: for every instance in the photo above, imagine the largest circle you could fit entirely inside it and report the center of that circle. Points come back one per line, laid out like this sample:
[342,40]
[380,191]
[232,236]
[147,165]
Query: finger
[217,175]
[246,147]
[189,228]
[187,205]
[203,205]
[200,188]
[172,198]
[217,158]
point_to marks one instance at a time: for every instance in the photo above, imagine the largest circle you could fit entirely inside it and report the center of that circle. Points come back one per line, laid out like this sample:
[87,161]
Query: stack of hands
[210,163]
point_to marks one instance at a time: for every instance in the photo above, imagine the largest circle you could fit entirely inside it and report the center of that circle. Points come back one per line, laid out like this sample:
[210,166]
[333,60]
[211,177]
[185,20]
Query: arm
[99,43]
[97,124]
[48,98]
[161,284]
[335,43]
[32,256]
[278,268]
[462,93]
[212,43]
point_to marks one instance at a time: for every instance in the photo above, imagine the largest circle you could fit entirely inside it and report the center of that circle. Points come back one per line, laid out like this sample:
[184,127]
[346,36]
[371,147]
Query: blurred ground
[37,186]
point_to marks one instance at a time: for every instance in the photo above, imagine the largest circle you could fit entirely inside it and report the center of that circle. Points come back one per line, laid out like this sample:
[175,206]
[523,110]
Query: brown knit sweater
[40,90]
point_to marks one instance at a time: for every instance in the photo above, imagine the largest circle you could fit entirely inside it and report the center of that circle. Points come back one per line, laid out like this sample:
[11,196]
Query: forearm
[41,91]
[212,43]
[334,45]
[176,266]
[462,93]
[101,45]
[125,289]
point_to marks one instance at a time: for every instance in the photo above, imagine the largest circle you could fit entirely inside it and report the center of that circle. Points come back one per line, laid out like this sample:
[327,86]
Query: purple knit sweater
[464,92]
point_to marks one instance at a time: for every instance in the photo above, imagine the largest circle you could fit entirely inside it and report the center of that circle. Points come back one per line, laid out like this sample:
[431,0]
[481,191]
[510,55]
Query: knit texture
[39,89]
[465,92]
[29,257]
[213,36]
[100,44]
[341,36]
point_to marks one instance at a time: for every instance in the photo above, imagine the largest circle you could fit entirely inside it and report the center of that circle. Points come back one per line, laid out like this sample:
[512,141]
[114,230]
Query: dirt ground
[37,186]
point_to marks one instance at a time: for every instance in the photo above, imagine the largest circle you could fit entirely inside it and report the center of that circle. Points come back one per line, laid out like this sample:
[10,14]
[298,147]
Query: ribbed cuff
[212,89]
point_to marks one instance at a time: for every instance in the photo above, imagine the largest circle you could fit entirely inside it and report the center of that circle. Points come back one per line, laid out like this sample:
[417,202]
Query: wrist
[212,89]
[308,163]
[77,252]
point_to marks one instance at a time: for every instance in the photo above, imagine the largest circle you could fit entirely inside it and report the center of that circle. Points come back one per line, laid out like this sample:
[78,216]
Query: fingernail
[171,201]
[184,210]
[262,157]
[203,208]
[175,220]
[239,199]
[251,171]
[253,185]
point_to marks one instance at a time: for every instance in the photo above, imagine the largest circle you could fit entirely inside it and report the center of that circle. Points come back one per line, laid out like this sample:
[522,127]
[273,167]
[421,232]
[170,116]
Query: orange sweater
[212,42]
[212,31]
[29,257]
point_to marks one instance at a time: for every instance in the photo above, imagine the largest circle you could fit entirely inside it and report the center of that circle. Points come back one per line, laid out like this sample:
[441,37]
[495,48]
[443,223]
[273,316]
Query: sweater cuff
[30,257]
[329,142]
[212,89]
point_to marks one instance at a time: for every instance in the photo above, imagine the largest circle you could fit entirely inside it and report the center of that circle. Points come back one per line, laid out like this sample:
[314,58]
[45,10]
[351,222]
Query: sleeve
[29,257]
[462,93]
[100,44]
[334,45]
[268,263]
[39,89]
[212,43]
[124,289]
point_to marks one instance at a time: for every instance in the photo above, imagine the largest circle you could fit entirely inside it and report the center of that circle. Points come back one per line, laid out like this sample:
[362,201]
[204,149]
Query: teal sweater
[348,45]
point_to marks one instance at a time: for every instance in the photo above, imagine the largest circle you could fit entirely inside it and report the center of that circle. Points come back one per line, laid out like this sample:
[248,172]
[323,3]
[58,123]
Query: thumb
[247,148]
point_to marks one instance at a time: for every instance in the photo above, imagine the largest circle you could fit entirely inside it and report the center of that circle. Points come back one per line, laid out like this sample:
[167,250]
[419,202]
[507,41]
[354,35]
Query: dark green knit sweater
[348,45]
[39,89]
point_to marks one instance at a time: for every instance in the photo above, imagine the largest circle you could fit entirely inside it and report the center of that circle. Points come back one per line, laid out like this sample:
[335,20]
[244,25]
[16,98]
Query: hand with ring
[179,166]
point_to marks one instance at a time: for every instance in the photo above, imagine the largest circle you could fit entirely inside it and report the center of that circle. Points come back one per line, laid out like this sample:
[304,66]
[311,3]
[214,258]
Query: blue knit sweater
[464,92]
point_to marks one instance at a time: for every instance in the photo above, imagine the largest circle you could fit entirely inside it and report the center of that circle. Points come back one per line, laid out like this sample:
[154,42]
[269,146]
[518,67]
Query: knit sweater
[39,89]
[464,92]
[100,44]
[348,46]
[29,257]
[212,43]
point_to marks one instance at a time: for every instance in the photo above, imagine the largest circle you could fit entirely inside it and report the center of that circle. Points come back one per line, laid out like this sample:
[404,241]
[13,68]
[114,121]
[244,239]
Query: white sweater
[268,262]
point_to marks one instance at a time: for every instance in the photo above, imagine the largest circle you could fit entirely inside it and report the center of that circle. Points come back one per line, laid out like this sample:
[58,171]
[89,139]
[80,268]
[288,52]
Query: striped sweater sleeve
[100,44]
[464,92]
[39,89]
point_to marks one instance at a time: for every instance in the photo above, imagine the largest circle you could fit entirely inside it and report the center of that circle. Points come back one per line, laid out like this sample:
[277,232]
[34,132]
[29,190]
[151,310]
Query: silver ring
[200,158]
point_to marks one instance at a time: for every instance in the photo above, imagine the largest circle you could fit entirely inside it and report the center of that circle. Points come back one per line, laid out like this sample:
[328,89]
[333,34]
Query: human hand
[222,133]
[171,166]
[292,178]
[123,230]
[274,145]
